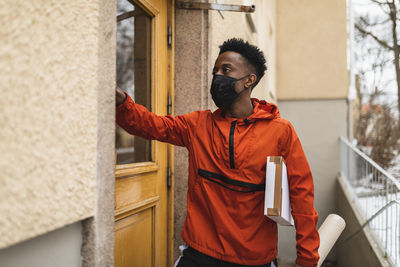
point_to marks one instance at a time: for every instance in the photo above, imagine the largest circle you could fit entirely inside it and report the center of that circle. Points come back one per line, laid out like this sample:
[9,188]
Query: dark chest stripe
[226,182]
[231,145]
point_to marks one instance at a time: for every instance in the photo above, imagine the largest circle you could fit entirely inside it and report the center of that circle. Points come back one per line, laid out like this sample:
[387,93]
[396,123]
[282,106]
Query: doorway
[143,211]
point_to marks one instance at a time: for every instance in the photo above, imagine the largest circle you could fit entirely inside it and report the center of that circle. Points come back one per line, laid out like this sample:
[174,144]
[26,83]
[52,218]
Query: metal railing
[373,189]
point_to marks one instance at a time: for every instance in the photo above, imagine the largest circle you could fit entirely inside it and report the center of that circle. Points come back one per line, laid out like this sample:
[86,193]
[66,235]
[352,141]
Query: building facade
[62,197]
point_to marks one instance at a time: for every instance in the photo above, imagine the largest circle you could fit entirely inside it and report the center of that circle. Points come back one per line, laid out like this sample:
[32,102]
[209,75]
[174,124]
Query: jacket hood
[262,111]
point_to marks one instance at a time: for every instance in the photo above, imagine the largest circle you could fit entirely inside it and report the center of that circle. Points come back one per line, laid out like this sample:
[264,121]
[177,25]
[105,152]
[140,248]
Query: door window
[133,74]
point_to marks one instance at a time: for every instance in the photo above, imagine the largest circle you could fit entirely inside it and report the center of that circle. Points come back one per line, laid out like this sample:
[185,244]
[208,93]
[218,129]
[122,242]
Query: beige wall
[50,80]
[235,24]
[311,48]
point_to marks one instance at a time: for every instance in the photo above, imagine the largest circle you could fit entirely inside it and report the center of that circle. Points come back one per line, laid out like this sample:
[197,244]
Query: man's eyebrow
[227,65]
[224,65]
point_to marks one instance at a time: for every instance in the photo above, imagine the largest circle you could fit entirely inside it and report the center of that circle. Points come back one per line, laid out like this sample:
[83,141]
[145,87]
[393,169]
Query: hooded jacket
[227,164]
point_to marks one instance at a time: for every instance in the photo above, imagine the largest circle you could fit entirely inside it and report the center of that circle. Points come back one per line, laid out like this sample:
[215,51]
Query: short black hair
[250,52]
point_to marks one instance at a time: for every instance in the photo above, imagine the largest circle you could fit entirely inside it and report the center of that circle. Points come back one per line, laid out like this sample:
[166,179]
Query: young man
[225,223]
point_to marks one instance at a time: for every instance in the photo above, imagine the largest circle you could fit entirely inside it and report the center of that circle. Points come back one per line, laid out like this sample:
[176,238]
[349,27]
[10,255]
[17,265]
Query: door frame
[171,158]
[162,154]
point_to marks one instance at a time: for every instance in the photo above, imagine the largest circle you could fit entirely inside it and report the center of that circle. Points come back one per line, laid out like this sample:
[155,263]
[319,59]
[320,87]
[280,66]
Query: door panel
[135,189]
[142,204]
[136,227]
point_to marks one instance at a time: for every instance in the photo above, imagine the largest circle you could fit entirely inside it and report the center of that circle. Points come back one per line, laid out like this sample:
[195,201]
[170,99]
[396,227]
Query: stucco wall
[191,93]
[98,231]
[311,48]
[48,101]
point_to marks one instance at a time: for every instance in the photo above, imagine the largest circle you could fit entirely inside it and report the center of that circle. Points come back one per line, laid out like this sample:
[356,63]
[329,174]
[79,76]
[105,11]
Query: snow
[386,225]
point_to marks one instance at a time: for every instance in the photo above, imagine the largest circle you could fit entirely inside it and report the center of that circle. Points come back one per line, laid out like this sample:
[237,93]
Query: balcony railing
[377,194]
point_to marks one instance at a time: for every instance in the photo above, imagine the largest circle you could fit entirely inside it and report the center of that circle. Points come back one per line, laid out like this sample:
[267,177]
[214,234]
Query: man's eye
[226,70]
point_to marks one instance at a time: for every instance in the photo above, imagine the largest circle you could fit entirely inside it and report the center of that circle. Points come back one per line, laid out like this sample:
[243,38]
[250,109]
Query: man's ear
[251,80]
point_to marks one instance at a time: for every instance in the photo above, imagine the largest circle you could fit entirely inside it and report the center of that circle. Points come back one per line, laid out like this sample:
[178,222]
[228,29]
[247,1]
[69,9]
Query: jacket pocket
[234,185]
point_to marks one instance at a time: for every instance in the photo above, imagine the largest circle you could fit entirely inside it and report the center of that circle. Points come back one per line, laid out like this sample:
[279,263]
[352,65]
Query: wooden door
[143,196]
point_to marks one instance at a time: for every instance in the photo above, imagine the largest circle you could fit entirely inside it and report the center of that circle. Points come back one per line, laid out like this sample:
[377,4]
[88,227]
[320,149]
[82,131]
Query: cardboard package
[277,201]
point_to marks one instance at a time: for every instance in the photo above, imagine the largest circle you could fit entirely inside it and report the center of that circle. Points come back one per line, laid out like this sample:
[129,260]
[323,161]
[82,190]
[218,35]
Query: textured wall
[311,48]
[191,93]
[48,113]
[98,231]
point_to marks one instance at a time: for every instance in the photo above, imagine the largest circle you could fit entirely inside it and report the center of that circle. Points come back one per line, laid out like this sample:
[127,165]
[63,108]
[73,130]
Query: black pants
[194,258]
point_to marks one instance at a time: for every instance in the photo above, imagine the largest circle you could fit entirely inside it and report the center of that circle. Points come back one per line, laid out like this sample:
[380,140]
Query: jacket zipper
[231,147]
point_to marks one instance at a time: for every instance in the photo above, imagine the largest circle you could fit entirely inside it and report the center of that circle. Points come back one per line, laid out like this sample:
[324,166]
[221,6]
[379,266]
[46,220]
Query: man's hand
[120,96]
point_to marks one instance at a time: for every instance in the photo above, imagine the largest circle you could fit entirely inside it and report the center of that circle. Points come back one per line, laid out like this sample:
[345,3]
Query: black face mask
[223,90]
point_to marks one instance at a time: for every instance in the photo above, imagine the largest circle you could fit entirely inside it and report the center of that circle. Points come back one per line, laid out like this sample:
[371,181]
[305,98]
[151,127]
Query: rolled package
[329,232]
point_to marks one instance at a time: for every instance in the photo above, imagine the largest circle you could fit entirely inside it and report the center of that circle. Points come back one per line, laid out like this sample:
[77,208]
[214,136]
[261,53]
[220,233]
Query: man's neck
[240,109]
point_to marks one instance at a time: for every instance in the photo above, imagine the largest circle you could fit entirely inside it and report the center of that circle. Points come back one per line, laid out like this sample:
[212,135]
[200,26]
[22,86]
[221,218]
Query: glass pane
[133,74]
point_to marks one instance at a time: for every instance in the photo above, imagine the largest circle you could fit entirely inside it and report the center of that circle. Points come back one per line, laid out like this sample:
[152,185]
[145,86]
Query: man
[225,223]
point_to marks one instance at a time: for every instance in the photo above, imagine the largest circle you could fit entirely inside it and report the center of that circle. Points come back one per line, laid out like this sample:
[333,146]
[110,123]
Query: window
[133,74]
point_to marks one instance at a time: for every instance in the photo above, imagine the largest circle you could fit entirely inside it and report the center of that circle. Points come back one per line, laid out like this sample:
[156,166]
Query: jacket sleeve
[301,189]
[137,120]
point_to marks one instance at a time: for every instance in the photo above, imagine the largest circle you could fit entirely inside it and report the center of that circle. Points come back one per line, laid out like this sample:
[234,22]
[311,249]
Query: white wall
[60,248]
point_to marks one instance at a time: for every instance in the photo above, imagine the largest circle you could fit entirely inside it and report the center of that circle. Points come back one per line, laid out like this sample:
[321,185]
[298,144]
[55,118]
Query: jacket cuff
[306,262]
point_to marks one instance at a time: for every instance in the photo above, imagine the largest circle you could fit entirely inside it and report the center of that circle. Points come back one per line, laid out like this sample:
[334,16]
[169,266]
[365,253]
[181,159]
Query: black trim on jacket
[211,176]
[231,145]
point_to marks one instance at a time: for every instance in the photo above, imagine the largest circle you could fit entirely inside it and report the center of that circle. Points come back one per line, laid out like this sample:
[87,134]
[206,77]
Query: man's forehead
[230,58]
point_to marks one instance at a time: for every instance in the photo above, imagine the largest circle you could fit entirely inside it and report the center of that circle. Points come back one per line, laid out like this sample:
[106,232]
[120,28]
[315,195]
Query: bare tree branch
[379,23]
[379,2]
[382,5]
[373,36]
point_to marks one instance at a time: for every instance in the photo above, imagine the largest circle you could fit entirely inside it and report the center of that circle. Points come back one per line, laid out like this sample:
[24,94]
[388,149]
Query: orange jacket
[227,160]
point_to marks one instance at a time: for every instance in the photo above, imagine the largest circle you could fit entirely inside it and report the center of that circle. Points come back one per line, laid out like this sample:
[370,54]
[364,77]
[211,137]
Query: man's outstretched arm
[137,120]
